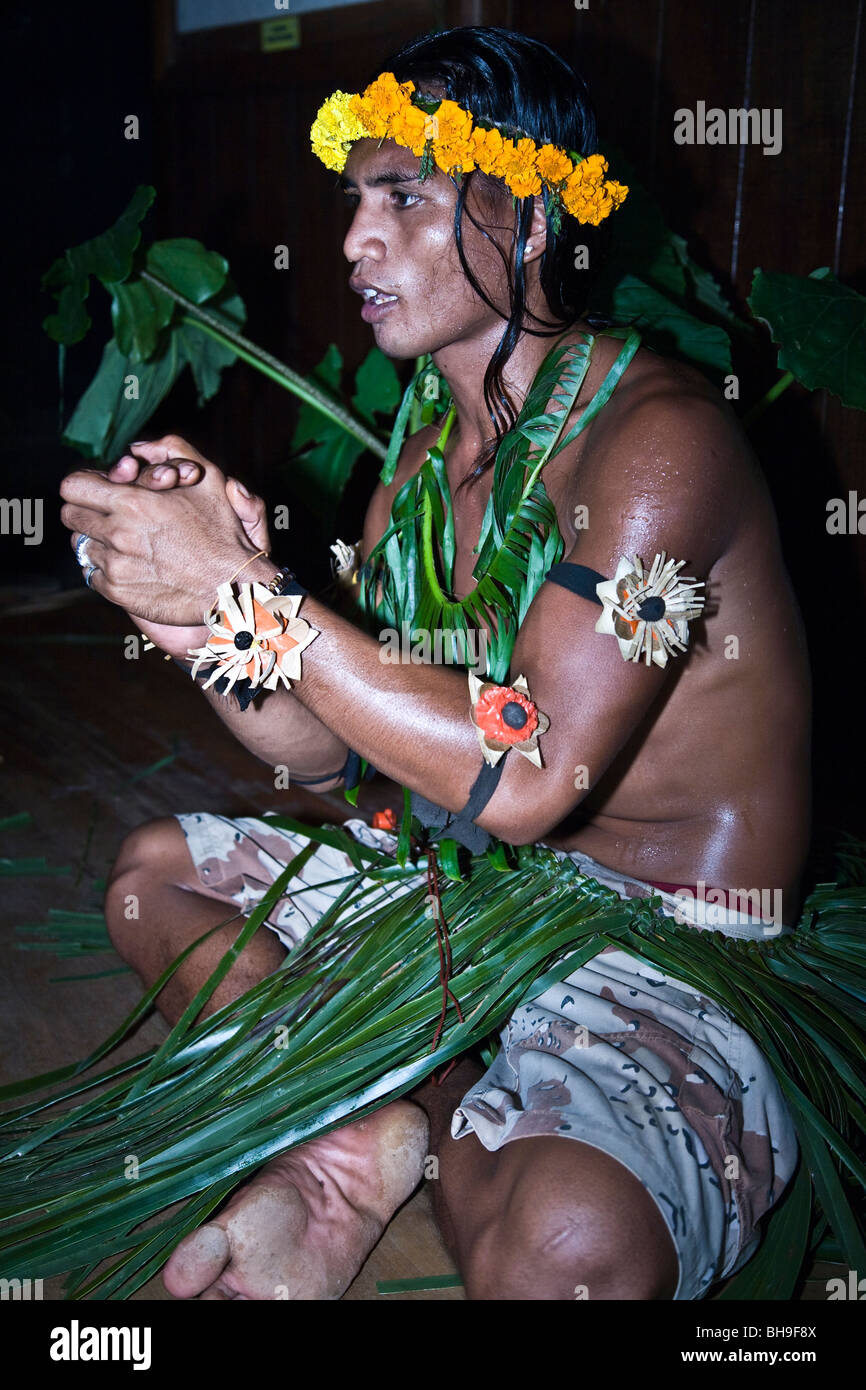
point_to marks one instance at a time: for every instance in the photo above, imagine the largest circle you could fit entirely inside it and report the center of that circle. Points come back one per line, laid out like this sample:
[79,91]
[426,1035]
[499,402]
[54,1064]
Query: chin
[396,344]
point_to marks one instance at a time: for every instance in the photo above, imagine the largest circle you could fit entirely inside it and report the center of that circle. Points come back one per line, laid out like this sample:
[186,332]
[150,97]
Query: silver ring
[91,570]
[81,554]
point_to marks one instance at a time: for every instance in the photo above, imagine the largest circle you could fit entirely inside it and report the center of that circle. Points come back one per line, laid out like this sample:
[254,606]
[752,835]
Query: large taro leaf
[377,386]
[125,392]
[820,327]
[121,399]
[188,267]
[324,454]
[670,329]
[139,314]
[140,311]
[205,355]
[107,256]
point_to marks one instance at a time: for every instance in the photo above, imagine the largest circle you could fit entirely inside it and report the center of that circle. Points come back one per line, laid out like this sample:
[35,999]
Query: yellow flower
[385,110]
[517,167]
[334,130]
[553,165]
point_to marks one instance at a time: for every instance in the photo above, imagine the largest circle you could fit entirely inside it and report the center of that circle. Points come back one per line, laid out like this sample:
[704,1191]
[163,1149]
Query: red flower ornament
[506,717]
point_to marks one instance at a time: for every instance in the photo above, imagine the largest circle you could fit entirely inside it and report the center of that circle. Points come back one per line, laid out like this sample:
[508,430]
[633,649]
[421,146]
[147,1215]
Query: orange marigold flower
[487,149]
[553,165]
[451,156]
[517,167]
[408,127]
[451,124]
[388,96]
[366,112]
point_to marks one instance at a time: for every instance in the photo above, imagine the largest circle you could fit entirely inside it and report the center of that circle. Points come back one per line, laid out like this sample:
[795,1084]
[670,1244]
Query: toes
[197,1263]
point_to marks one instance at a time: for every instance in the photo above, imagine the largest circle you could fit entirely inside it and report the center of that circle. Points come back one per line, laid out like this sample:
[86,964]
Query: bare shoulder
[412,455]
[666,454]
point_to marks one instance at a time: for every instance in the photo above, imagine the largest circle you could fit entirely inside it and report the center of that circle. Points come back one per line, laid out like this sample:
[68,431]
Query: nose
[364,239]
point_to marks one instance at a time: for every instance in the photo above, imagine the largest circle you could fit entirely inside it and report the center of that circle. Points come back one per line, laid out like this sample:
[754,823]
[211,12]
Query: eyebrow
[376,181]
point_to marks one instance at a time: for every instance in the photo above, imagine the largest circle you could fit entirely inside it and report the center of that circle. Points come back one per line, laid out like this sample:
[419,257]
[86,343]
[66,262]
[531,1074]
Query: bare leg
[544,1217]
[303,1226]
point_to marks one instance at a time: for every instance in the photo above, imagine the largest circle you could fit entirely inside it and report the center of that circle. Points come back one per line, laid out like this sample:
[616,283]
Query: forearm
[412,721]
[281,731]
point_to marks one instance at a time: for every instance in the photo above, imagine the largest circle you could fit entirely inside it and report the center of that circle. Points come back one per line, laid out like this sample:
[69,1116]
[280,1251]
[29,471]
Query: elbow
[526,820]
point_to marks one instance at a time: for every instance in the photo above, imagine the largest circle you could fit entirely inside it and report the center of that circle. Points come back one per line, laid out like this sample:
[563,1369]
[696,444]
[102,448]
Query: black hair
[518,83]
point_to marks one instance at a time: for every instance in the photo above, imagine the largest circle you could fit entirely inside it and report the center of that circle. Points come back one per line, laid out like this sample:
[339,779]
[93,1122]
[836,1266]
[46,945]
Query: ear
[536,241]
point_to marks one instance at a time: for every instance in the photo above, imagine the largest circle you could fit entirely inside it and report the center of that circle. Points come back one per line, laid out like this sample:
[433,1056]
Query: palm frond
[347,1024]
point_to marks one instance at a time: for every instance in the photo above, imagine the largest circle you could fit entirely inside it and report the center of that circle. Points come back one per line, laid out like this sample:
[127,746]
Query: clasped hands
[164,528]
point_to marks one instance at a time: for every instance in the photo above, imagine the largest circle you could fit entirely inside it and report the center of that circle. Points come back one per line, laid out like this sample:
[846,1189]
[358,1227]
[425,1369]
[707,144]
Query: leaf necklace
[520,537]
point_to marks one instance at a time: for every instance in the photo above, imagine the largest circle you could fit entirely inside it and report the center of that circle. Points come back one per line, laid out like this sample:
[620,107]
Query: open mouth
[378,297]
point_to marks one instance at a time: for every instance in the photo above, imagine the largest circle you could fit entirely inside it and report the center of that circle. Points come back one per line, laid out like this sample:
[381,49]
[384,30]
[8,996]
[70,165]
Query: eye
[407,200]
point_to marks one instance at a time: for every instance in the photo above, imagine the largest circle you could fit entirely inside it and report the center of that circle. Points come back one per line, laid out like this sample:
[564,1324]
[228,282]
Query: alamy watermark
[754,125]
[720,907]
[418,646]
[22,516]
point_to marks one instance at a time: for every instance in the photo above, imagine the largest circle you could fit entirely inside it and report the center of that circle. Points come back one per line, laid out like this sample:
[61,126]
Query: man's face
[401,243]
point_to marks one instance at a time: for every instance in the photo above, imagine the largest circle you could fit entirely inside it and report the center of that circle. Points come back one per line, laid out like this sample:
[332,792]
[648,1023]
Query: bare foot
[305,1224]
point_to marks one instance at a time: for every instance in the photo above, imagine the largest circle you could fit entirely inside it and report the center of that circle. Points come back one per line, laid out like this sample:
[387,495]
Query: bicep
[593,698]
[678,498]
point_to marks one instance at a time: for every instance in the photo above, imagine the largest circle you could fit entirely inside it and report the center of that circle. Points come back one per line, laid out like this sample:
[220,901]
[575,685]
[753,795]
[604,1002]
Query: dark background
[224,139]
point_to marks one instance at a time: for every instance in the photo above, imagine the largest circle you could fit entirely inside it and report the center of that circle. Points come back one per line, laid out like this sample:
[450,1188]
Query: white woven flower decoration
[256,636]
[345,561]
[648,611]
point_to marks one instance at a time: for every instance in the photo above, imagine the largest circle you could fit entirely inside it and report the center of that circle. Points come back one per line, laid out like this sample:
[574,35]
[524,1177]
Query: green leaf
[643,245]
[205,355]
[773,1272]
[108,257]
[105,419]
[820,327]
[326,453]
[190,269]
[670,329]
[377,386]
[139,314]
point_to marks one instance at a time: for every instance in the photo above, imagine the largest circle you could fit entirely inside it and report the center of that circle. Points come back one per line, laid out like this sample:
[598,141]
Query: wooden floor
[94,744]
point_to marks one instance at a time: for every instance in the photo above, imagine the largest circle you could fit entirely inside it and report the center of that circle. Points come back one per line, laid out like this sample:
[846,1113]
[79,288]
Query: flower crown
[442,133]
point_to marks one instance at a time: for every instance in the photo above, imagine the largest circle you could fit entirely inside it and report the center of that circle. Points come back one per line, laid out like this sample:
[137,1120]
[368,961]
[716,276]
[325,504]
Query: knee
[561,1247]
[148,856]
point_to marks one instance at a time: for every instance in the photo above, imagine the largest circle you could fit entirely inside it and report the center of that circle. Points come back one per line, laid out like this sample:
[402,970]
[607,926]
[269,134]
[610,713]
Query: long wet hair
[510,80]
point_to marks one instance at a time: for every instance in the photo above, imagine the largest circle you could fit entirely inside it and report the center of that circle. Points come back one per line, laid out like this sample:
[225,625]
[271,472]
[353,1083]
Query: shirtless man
[698,771]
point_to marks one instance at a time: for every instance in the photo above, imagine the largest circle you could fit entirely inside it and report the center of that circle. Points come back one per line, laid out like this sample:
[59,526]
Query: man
[692,771]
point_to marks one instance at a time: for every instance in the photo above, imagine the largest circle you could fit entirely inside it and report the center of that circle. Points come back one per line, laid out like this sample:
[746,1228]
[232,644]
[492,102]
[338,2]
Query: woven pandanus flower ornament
[648,611]
[256,636]
[505,717]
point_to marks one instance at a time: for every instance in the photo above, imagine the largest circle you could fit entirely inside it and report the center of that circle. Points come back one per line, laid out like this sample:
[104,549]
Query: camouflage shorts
[618,1055]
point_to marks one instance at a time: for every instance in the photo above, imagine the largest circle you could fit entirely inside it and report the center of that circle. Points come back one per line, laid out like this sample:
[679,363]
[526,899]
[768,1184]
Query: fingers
[251,512]
[177,473]
[88,520]
[87,488]
[171,446]
[124,471]
[91,557]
